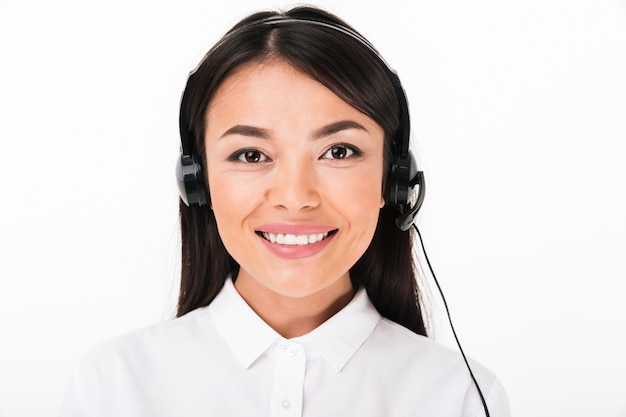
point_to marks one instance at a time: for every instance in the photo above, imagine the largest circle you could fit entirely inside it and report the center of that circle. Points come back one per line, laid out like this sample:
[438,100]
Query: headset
[405,188]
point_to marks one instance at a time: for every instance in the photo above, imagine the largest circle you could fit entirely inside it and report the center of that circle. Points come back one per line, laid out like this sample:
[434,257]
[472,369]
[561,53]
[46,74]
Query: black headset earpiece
[405,190]
[190,181]
[189,175]
[405,186]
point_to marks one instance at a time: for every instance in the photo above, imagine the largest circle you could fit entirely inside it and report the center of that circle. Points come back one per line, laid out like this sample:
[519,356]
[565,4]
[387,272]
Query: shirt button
[286,404]
[291,351]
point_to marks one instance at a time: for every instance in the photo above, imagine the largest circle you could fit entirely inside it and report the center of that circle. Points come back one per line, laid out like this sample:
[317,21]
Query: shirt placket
[290,362]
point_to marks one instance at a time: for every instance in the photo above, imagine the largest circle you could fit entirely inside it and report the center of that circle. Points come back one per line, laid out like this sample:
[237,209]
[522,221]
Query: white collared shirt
[223,360]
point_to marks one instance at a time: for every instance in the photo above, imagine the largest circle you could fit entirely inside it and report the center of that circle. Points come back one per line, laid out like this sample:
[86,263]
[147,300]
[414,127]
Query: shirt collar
[248,336]
[338,339]
[245,333]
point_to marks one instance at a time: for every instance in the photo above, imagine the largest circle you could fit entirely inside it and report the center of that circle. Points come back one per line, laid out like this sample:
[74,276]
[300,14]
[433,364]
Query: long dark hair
[349,69]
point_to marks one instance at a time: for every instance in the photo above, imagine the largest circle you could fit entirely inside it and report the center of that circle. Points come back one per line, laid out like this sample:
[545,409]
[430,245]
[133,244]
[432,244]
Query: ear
[382,201]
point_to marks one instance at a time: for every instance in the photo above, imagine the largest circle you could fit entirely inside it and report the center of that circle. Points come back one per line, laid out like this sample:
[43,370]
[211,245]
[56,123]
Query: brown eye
[340,152]
[251,156]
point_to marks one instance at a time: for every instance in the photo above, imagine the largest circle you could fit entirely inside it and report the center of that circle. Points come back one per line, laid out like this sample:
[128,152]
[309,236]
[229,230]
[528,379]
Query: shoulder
[153,341]
[403,343]
[397,337]
[183,345]
[117,374]
[440,365]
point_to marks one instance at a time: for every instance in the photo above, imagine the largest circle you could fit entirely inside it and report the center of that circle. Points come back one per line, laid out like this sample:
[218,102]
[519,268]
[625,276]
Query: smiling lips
[293,242]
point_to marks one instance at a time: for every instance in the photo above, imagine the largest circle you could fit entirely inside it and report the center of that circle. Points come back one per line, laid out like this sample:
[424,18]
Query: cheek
[360,197]
[228,202]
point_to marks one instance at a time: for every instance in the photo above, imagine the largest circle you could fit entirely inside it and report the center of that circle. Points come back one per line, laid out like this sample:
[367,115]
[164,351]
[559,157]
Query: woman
[298,292]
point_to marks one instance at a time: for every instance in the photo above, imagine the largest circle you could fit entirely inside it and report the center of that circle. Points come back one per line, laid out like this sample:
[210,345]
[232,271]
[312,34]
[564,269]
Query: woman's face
[295,176]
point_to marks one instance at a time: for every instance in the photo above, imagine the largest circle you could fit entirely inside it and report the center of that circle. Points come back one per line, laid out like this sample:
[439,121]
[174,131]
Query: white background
[519,121]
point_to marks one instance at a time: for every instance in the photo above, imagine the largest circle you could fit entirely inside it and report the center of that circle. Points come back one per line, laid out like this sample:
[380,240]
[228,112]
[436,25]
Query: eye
[249,156]
[341,151]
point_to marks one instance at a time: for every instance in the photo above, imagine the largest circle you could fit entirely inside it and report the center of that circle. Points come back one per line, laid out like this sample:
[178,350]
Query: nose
[294,187]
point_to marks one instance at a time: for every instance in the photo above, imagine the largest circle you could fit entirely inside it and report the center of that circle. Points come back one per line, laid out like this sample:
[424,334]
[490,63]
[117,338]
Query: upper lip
[295,229]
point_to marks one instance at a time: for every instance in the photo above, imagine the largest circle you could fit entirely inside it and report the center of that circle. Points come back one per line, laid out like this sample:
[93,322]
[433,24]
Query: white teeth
[293,240]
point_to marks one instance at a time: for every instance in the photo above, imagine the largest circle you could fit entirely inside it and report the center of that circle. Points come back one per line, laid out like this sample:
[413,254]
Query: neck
[293,316]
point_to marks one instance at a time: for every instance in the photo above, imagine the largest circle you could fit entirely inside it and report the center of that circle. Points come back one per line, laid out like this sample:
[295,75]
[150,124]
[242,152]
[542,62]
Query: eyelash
[240,156]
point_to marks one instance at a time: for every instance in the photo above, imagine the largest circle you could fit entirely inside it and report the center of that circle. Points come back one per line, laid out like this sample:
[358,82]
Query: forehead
[273,89]
[259,77]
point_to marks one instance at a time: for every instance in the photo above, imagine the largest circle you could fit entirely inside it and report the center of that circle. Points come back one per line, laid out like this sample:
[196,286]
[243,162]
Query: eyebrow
[337,127]
[257,132]
[245,130]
